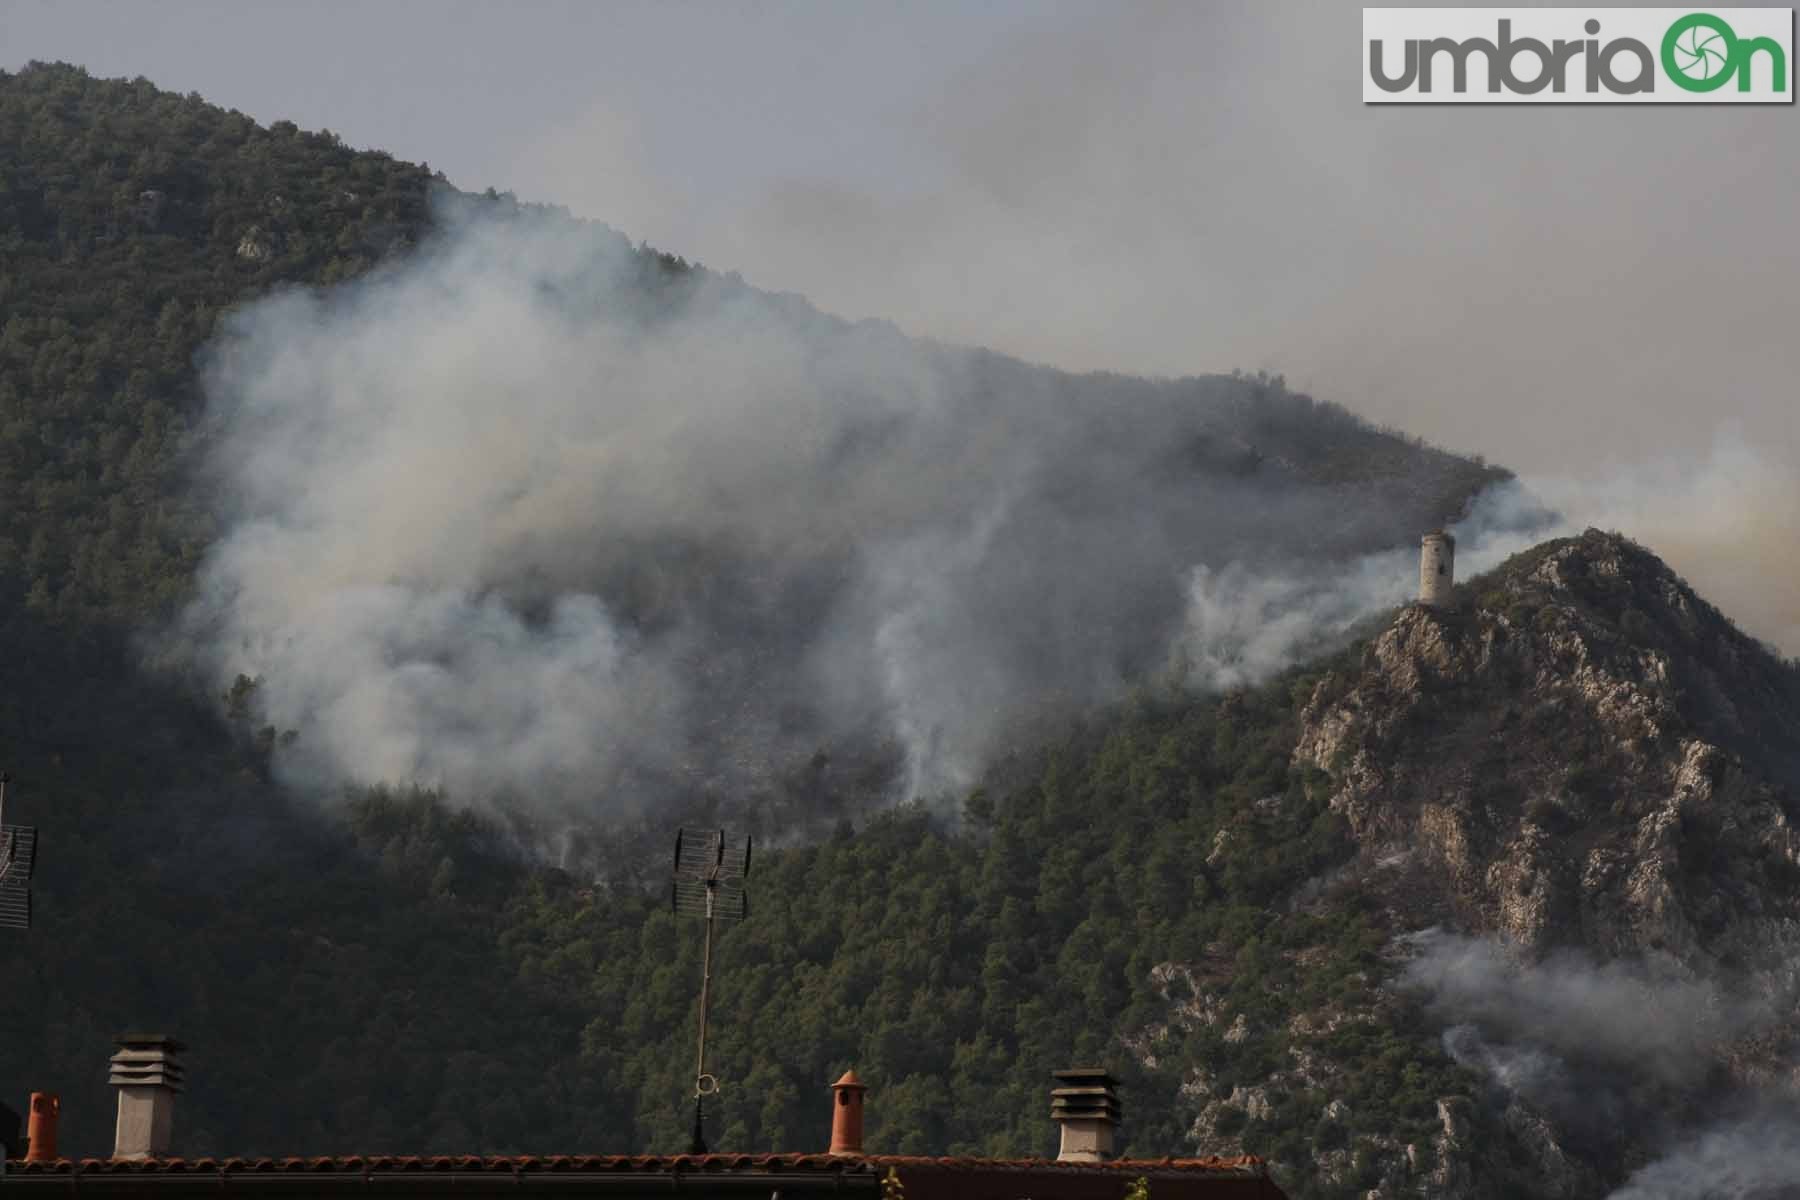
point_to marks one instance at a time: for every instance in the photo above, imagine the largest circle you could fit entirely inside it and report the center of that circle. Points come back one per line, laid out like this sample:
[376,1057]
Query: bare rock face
[1564,755]
[1455,1147]
[1558,1174]
[258,245]
[1577,767]
[1578,756]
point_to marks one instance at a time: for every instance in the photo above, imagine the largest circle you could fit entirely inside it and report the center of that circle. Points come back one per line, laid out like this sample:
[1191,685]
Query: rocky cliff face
[1584,752]
[1574,797]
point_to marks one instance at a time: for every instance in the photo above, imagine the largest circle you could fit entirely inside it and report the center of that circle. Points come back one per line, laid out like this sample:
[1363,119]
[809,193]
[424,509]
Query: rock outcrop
[1583,753]
[1578,761]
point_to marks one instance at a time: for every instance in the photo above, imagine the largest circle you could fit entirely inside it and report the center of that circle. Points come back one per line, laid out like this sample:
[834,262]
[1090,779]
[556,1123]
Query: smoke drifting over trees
[519,516]
[1610,1049]
[530,513]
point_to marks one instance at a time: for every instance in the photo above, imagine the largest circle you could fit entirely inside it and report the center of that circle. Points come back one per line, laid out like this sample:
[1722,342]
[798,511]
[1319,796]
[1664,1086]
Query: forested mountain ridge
[135,221]
[1180,888]
[1202,892]
[131,218]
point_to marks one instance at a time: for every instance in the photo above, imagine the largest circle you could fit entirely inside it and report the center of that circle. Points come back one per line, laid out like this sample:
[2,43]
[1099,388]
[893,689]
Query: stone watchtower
[1437,568]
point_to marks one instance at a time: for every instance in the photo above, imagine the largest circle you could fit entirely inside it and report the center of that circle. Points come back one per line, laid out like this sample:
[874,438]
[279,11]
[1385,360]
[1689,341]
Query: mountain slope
[1176,887]
[149,236]
[1221,896]
[1501,899]
[179,885]
[1589,753]
[1589,766]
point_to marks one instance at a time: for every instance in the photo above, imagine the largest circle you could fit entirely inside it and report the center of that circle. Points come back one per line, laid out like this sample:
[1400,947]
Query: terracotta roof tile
[1246,1164]
[586,1163]
[637,1163]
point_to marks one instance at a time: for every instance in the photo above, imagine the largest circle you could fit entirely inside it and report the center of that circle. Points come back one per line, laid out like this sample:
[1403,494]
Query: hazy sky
[1157,189]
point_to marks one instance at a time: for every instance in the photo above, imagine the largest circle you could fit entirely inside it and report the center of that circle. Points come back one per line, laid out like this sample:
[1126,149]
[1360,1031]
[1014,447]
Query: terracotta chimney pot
[46,1107]
[847,1115]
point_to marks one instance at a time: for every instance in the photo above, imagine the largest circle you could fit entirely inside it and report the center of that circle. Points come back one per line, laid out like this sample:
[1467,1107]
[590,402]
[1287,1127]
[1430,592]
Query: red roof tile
[1139,1166]
[651,1177]
[635,1163]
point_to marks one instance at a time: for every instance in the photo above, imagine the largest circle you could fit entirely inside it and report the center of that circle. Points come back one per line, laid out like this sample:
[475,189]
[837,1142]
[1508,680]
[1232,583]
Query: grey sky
[1159,189]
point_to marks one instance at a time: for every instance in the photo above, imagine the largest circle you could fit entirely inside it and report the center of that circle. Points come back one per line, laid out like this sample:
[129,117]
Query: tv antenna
[708,883]
[18,855]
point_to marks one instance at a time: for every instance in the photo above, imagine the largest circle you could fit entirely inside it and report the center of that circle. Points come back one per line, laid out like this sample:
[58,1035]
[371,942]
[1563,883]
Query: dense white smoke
[1752,1158]
[1245,624]
[1651,1017]
[1605,1047]
[1100,162]
[1710,515]
[1705,515]
[518,515]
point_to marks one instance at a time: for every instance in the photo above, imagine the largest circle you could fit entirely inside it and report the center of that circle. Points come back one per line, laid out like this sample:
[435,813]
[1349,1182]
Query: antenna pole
[700,1077]
[705,991]
[709,883]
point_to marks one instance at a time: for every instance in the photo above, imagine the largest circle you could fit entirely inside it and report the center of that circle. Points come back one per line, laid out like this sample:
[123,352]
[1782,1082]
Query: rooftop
[763,1175]
[146,1076]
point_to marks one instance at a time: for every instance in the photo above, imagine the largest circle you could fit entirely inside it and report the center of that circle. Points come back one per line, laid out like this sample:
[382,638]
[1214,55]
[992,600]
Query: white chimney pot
[148,1075]
[1087,1108]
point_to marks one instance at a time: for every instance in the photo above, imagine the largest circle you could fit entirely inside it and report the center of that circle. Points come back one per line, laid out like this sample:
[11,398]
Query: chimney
[846,1115]
[40,1130]
[1087,1108]
[148,1075]
[1437,568]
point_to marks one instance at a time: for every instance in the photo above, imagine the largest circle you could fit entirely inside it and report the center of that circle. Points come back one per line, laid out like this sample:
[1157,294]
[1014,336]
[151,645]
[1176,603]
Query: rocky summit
[1572,799]
[1584,753]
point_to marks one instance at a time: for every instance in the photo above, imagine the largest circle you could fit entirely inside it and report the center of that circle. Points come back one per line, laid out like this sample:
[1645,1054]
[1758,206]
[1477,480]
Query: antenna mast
[708,883]
[18,856]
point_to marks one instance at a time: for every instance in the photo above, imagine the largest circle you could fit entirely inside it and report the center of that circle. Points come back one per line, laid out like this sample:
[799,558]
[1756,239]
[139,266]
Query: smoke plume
[1752,1158]
[1613,1050]
[1652,1017]
[1708,512]
[1246,623]
[520,515]
[1180,187]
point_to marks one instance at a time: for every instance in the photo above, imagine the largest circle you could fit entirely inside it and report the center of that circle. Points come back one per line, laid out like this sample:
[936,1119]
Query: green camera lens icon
[1700,52]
